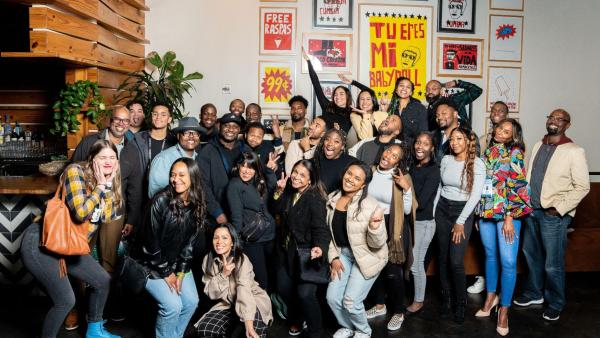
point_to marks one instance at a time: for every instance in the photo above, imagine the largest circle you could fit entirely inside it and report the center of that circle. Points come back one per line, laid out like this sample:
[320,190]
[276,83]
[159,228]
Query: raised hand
[305,143]
[282,182]
[272,163]
[228,266]
[344,79]
[275,126]
[401,181]
[100,178]
[376,218]
[384,102]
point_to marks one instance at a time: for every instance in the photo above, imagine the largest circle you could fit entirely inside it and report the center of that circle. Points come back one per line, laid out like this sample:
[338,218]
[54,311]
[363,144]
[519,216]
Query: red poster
[278,31]
[459,56]
[331,53]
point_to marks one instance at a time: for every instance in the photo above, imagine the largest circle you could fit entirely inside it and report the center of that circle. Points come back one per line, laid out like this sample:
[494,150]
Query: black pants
[451,255]
[390,281]
[261,256]
[301,300]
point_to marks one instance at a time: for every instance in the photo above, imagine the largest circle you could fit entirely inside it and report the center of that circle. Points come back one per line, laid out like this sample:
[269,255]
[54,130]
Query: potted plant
[74,98]
[165,83]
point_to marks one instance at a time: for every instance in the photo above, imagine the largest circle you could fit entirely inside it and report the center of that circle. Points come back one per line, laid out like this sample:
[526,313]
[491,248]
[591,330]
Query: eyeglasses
[190,133]
[121,121]
[557,119]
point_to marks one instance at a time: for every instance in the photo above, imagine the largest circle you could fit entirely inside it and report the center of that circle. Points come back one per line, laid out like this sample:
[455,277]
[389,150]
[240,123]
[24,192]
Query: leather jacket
[168,245]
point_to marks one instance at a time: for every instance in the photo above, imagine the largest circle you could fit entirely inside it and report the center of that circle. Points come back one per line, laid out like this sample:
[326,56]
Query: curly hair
[468,171]
[320,153]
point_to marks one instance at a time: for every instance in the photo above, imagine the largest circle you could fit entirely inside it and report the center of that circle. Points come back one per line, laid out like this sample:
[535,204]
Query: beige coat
[363,123]
[242,291]
[567,179]
[368,246]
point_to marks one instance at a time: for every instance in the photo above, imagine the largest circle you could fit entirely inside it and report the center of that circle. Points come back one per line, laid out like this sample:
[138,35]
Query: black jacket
[245,201]
[304,223]
[426,181]
[168,245]
[216,167]
[414,121]
[331,171]
[141,143]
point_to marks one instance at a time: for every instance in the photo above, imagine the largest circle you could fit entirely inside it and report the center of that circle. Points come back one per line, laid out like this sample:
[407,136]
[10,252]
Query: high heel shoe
[503,331]
[482,313]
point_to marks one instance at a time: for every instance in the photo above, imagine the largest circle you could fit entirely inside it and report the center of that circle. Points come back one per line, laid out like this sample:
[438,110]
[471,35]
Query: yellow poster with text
[398,48]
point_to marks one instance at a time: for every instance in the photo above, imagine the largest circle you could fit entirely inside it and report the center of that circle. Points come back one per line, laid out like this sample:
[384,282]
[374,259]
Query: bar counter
[28,185]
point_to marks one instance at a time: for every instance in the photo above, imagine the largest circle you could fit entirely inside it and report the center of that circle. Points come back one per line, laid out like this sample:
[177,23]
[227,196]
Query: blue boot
[97,330]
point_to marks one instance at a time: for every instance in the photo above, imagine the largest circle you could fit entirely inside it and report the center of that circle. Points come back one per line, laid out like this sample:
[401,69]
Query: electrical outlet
[226,89]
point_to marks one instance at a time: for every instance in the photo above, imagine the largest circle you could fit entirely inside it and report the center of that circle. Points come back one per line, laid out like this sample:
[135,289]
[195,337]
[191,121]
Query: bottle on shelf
[7,129]
[27,134]
[1,134]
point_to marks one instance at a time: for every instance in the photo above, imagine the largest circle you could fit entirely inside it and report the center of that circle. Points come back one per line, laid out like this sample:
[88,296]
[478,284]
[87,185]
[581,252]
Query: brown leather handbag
[61,235]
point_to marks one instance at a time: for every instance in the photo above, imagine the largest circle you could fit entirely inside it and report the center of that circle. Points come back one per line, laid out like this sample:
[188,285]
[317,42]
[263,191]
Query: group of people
[352,202]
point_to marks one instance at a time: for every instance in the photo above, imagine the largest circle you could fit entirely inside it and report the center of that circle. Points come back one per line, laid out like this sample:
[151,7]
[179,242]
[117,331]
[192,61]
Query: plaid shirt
[82,204]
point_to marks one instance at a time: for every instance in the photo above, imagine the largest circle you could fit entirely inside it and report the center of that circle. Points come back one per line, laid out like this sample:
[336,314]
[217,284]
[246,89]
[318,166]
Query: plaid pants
[220,323]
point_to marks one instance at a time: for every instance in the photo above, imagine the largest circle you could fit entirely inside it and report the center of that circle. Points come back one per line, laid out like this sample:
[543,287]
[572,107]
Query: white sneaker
[343,333]
[361,335]
[478,286]
[396,322]
[375,312]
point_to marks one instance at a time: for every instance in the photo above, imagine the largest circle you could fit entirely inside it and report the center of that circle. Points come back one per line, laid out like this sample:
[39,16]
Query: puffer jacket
[368,246]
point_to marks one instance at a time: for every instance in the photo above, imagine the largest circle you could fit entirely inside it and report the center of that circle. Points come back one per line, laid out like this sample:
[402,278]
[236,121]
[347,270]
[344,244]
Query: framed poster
[456,16]
[277,31]
[329,53]
[332,14]
[509,5]
[394,41]
[459,57]
[504,84]
[506,38]
[276,84]
[328,88]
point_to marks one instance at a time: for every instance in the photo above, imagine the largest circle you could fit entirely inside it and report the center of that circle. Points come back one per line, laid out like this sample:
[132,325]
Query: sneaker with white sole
[550,314]
[375,312]
[361,335]
[396,322]
[526,301]
[478,286]
[343,333]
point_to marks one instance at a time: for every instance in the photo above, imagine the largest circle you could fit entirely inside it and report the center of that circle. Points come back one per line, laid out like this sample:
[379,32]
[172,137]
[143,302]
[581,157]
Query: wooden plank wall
[103,39]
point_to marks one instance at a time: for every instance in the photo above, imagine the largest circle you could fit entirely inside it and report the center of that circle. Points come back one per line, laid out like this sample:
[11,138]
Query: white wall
[219,38]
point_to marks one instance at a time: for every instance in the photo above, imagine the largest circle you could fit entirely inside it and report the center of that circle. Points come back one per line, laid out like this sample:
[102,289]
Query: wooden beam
[52,42]
[112,41]
[111,57]
[114,22]
[126,10]
[141,4]
[47,18]
[69,60]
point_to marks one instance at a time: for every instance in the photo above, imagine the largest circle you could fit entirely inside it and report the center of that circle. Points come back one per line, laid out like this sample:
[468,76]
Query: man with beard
[208,122]
[216,159]
[304,148]
[369,150]
[433,95]
[559,180]
[447,119]
[271,135]
[188,135]
[297,127]
[115,133]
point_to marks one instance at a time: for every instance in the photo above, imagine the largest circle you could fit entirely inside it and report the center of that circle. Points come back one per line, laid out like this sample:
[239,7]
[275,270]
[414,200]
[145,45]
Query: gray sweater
[451,188]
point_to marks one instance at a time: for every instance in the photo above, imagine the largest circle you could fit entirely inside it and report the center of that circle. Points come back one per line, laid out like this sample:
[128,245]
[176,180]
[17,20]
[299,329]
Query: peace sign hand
[272,163]
[282,182]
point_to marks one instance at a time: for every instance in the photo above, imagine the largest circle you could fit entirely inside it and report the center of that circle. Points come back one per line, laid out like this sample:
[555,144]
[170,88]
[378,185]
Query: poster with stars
[506,38]
[456,16]
[332,14]
[394,41]
[329,53]
[276,83]
[277,31]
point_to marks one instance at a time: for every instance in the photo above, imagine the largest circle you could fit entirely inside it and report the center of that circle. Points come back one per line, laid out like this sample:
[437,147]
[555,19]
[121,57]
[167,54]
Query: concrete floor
[21,316]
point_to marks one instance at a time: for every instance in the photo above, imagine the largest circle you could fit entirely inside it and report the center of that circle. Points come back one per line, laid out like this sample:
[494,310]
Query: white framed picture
[456,16]
[459,57]
[504,84]
[506,38]
[329,53]
[276,83]
[277,27]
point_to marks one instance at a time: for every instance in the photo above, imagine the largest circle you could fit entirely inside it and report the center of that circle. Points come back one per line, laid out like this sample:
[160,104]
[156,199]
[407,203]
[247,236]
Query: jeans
[299,297]
[496,246]
[174,311]
[44,267]
[345,295]
[261,257]
[544,246]
[452,256]
[424,231]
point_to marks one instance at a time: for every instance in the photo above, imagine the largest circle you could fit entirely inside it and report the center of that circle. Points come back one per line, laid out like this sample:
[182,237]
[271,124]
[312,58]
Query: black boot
[446,309]
[459,312]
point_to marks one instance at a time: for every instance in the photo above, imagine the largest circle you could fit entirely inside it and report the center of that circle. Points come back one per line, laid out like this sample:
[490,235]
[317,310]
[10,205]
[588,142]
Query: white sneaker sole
[531,302]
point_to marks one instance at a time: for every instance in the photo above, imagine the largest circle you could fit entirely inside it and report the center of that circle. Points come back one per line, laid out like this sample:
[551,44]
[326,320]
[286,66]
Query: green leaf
[193,76]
